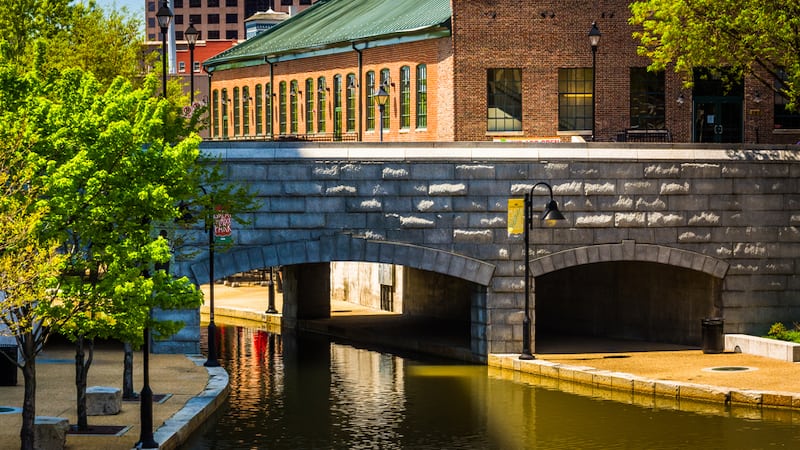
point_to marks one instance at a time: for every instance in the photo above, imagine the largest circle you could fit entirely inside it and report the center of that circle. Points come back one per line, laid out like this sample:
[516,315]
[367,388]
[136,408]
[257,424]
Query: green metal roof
[331,23]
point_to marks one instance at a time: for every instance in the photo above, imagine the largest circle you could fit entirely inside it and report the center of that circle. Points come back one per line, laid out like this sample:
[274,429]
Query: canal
[307,392]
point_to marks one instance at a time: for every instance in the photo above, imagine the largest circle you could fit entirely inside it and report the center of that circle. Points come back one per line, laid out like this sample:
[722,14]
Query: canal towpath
[193,391]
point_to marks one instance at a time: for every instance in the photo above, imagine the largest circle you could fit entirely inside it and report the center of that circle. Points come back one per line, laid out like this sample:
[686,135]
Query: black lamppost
[212,327]
[146,440]
[190,35]
[551,212]
[271,305]
[594,40]
[381,98]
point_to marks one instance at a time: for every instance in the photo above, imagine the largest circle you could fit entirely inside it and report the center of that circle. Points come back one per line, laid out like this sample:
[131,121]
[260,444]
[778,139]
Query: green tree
[754,37]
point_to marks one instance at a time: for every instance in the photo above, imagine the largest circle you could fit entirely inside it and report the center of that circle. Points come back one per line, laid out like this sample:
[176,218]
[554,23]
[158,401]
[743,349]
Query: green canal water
[290,392]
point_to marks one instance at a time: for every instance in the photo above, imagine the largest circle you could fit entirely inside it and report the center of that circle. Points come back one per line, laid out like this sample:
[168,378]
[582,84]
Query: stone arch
[343,247]
[629,250]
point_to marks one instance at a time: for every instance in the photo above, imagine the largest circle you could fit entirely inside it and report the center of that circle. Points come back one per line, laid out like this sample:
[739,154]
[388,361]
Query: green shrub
[778,331]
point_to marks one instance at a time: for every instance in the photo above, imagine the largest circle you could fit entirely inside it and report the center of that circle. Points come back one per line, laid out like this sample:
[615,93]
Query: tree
[752,37]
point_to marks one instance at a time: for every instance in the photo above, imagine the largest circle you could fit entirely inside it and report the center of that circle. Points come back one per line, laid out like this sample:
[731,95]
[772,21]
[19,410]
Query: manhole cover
[9,410]
[730,369]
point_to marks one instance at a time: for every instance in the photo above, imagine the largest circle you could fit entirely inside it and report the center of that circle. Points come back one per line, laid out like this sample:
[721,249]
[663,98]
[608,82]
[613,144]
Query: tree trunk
[81,375]
[26,433]
[127,374]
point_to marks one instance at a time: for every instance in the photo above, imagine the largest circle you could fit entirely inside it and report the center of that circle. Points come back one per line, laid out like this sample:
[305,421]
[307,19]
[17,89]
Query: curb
[645,387]
[176,430]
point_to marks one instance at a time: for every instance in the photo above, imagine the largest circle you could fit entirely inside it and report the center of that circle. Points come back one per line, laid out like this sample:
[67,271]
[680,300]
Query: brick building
[473,70]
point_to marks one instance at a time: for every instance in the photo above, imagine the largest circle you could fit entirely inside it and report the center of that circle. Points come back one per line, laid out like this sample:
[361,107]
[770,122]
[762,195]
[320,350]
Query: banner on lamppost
[222,226]
[516,215]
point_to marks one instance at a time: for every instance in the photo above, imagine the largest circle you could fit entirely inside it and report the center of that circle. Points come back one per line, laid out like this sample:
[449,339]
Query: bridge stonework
[731,213]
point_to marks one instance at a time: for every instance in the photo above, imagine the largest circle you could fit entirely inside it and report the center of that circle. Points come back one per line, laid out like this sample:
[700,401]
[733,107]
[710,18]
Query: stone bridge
[657,237]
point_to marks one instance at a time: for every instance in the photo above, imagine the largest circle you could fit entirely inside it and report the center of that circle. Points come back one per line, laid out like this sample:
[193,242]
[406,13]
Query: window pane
[405,97]
[385,84]
[370,89]
[246,110]
[504,100]
[225,101]
[282,107]
[422,96]
[259,110]
[236,118]
[574,99]
[214,112]
[351,102]
[647,99]
[293,113]
[309,106]
[321,104]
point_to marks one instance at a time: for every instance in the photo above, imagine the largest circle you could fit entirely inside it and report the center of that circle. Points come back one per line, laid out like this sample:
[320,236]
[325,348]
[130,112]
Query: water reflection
[302,392]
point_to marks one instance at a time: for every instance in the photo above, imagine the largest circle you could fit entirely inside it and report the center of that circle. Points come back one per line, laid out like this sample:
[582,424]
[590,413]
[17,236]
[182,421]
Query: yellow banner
[516,215]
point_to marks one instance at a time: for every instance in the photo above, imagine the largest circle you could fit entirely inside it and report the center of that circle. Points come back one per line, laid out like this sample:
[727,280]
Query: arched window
[422,96]
[282,107]
[259,110]
[309,106]
[236,112]
[371,101]
[405,97]
[385,83]
[321,104]
[337,105]
[293,112]
[214,112]
[225,101]
[246,110]
[350,101]
[270,104]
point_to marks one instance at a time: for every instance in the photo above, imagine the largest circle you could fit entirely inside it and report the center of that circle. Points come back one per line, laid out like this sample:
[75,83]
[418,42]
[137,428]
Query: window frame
[574,103]
[504,100]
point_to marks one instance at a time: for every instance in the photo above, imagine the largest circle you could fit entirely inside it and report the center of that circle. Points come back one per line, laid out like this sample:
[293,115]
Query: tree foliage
[754,37]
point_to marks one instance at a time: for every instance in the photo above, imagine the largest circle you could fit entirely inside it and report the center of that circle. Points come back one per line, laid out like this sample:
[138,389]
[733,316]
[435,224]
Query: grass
[778,331]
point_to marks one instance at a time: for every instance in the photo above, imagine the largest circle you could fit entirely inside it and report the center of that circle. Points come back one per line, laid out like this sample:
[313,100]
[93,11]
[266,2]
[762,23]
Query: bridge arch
[342,247]
[631,291]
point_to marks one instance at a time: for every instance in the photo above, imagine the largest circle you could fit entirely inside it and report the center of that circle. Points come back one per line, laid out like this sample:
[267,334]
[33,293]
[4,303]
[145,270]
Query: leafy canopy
[754,37]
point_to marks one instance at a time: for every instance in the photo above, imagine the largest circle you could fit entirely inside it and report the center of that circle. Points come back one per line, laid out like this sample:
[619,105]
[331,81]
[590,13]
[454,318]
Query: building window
[178,35]
[231,3]
[181,66]
[269,105]
[151,22]
[258,97]
[784,118]
[214,112]
[286,2]
[194,3]
[212,3]
[309,106]
[293,112]
[231,18]
[422,96]
[350,101]
[504,100]
[321,104]
[305,2]
[337,105]
[177,3]
[196,19]
[575,99]
[196,67]
[225,101]
[282,107]
[231,34]
[151,6]
[385,83]
[236,112]
[246,110]
[213,34]
[405,97]
[371,100]
[212,18]
[178,19]
[647,99]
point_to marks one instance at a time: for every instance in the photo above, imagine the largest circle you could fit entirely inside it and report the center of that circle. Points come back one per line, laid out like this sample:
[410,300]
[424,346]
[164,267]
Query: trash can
[8,366]
[713,338]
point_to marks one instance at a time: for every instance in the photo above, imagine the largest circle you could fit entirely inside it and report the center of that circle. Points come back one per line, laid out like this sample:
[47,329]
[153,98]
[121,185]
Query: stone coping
[176,430]
[625,386]
[769,348]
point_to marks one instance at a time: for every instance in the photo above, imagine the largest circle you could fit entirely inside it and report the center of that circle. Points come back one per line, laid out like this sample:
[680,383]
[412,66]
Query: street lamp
[164,15]
[190,35]
[594,40]
[212,327]
[381,98]
[551,213]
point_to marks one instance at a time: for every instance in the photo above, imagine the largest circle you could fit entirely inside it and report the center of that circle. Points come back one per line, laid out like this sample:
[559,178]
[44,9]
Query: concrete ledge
[103,401]
[770,348]
[177,429]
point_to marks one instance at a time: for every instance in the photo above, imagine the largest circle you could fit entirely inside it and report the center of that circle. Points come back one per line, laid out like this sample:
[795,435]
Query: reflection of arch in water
[628,291]
[344,248]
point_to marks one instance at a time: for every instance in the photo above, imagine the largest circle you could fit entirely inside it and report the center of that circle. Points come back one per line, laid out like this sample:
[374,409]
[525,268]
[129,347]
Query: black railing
[316,137]
[639,135]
